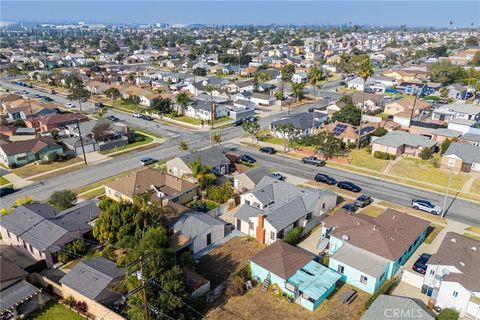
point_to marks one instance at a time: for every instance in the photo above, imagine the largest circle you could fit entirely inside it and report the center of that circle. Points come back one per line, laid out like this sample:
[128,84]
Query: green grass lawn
[362,158]
[474,229]
[3,181]
[189,120]
[145,140]
[145,132]
[473,236]
[209,205]
[475,186]
[434,231]
[423,171]
[93,193]
[54,311]
[34,169]
[222,120]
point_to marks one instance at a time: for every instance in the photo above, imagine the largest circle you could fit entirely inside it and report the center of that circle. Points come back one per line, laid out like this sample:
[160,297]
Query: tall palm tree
[365,71]
[203,174]
[182,100]
[314,75]
[297,89]
[148,211]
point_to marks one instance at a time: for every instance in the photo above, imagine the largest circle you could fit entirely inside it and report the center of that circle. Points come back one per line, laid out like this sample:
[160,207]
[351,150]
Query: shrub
[81,306]
[351,145]
[72,251]
[436,161]
[426,153]
[221,193]
[236,287]
[384,289]
[245,273]
[63,199]
[444,146]
[448,314]
[293,236]
[379,132]
[381,155]
[70,301]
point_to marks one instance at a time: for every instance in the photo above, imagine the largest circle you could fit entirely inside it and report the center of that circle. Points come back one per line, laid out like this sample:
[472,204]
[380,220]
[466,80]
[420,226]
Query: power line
[186,304]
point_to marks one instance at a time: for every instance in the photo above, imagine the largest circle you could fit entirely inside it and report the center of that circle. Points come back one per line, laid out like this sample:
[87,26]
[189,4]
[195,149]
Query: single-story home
[398,142]
[55,121]
[19,153]
[462,157]
[295,272]
[248,180]
[305,122]
[406,104]
[262,99]
[368,101]
[456,110]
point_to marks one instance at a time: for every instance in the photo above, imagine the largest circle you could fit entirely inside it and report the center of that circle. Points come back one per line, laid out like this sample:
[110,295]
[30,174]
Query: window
[8,234]
[455,294]
[31,248]
[209,239]
[272,235]
[309,216]
[363,279]
[451,162]
[432,272]
[323,205]
[340,268]
[250,224]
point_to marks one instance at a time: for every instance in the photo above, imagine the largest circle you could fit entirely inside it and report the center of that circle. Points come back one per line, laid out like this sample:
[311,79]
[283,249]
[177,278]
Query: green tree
[220,194]
[448,314]
[182,100]
[183,145]
[471,41]
[426,153]
[149,210]
[289,134]
[444,146]
[202,173]
[287,72]
[445,72]
[252,128]
[161,105]
[113,93]
[327,144]
[314,75]
[297,90]
[348,114]
[201,72]
[72,250]
[63,199]
[476,59]
[259,44]
[217,138]
[379,132]
[13,71]
[293,236]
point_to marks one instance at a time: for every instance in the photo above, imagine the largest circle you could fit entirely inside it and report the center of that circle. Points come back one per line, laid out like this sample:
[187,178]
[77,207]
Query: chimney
[374,227]
[260,231]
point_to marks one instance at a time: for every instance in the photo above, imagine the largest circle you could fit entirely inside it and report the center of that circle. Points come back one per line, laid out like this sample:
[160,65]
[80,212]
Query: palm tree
[148,211]
[217,138]
[203,174]
[182,100]
[183,145]
[297,89]
[365,71]
[314,75]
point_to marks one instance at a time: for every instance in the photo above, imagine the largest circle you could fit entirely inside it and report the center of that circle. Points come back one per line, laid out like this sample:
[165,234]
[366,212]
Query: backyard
[54,311]
[256,304]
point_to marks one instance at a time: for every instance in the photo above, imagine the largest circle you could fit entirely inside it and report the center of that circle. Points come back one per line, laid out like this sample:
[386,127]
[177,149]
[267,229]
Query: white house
[201,109]
[452,275]
[261,99]
[456,111]
[356,84]
[300,77]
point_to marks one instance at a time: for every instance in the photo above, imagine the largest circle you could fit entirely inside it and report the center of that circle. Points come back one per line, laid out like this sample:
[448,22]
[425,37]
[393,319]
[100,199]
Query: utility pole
[81,142]
[34,123]
[446,194]
[144,290]
[361,114]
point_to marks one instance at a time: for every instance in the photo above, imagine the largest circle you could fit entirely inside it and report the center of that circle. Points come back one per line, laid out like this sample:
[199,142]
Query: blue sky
[380,13]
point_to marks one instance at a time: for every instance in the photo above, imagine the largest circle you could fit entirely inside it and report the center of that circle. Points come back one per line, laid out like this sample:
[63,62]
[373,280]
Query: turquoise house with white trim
[367,251]
[295,272]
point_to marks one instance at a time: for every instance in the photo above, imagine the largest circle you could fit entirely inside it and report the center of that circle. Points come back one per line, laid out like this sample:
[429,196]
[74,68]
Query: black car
[311,109]
[48,99]
[268,150]
[363,201]
[5,191]
[350,208]
[98,105]
[237,123]
[112,118]
[321,177]
[246,158]
[148,118]
[420,265]
[348,186]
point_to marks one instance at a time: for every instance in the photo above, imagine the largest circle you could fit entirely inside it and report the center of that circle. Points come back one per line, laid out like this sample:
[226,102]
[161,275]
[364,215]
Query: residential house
[42,231]
[164,187]
[305,122]
[214,157]
[248,180]
[262,99]
[366,250]
[146,98]
[356,84]
[96,87]
[458,91]
[456,111]
[19,153]
[296,273]
[349,133]
[274,207]
[472,138]
[391,307]
[93,280]
[462,157]
[368,101]
[334,107]
[194,232]
[55,121]
[411,87]
[206,110]
[442,134]
[464,125]
[398,142]
[406,104]
[452,275]
[300,77]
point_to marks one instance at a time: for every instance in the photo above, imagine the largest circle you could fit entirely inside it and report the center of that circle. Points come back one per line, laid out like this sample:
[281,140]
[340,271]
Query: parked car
[325,178]
[30,86]
[246,158]
[268,150]
[350,208]
[5,191]
[37,96]
[48,99]
[250,119]
[98,105]
[314,161]
[148,118]
[53,92]
[278,175]
[137,115]
[237,123]
[427,206]
[25,92]
[312,109]
[348,186]
[68,105]
[112,118]
[363,201]
[145,161]
[420,265]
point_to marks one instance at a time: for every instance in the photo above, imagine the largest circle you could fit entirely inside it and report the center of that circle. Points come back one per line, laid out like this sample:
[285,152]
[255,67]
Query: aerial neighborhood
[171,171]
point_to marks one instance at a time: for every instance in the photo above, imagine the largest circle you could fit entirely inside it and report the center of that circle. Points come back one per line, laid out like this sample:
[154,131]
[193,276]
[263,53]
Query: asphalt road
[457,209]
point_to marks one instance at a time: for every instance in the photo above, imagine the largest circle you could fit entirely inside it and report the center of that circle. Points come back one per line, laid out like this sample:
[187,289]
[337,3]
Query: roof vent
[394,217]
[358,223]
[473,248]
[453,240]
[462,263]
[374,227]
[345,237]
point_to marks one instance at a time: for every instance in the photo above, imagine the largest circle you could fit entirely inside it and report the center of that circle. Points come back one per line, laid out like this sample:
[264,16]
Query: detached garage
[75,145]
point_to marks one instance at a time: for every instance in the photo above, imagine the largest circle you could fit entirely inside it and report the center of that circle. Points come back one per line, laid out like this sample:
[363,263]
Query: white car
[68,105]
[277,175]
[137,115]
[427,206]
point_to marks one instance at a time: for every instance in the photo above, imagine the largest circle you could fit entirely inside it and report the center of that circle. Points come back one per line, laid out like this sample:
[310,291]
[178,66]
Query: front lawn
[35,169]
[432,232]
[194,121]
[424,171]
[54,311]
[3,181]
[140,140]
[362,158]
[222,120]
[372,211]
[475,187]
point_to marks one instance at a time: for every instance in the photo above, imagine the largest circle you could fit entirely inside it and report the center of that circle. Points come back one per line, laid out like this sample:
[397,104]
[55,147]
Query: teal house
[295,272]
[367,251]
[19,153]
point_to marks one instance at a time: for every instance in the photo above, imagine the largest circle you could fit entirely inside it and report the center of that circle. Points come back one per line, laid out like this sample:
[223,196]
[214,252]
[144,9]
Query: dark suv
[321,177]
[420,265]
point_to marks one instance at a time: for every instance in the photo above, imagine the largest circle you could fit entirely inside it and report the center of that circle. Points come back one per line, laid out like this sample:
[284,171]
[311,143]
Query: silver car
[427,206]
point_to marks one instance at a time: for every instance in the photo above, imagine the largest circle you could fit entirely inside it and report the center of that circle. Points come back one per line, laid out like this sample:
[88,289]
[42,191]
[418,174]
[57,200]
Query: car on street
[237,123]
[68,105]
[37,96]
[250,119]
[350,208]
[112,118]
[137,115]
[420,265]
[268,150]
[246,158]
[48,99]
[363,201]
[325,178]
[312,109]
[148,118]
[347,185]
[53,92]
[25,92]
[30,86]
[145,161]
[5,191]
[313,161]
[427,206]
[278,175]
[98,105]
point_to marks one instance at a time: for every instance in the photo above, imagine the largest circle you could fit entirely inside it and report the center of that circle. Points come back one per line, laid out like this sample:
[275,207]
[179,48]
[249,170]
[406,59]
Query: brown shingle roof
[33,145]
[389,235]
[282,259]
[55,118]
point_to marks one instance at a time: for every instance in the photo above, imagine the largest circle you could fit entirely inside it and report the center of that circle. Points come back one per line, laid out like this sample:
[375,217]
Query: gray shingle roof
[194,224]
[362,260]
[257,174]
[393,303]
[16,293]
[471,137]
[212,156]
[467,152]
[398,138]
[301,120]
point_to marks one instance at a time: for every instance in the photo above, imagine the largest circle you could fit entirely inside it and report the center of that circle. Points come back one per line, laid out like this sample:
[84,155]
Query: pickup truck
[314,161]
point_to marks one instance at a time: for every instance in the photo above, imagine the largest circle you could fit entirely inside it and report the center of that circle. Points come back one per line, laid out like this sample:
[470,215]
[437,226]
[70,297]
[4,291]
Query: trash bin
[424,289]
